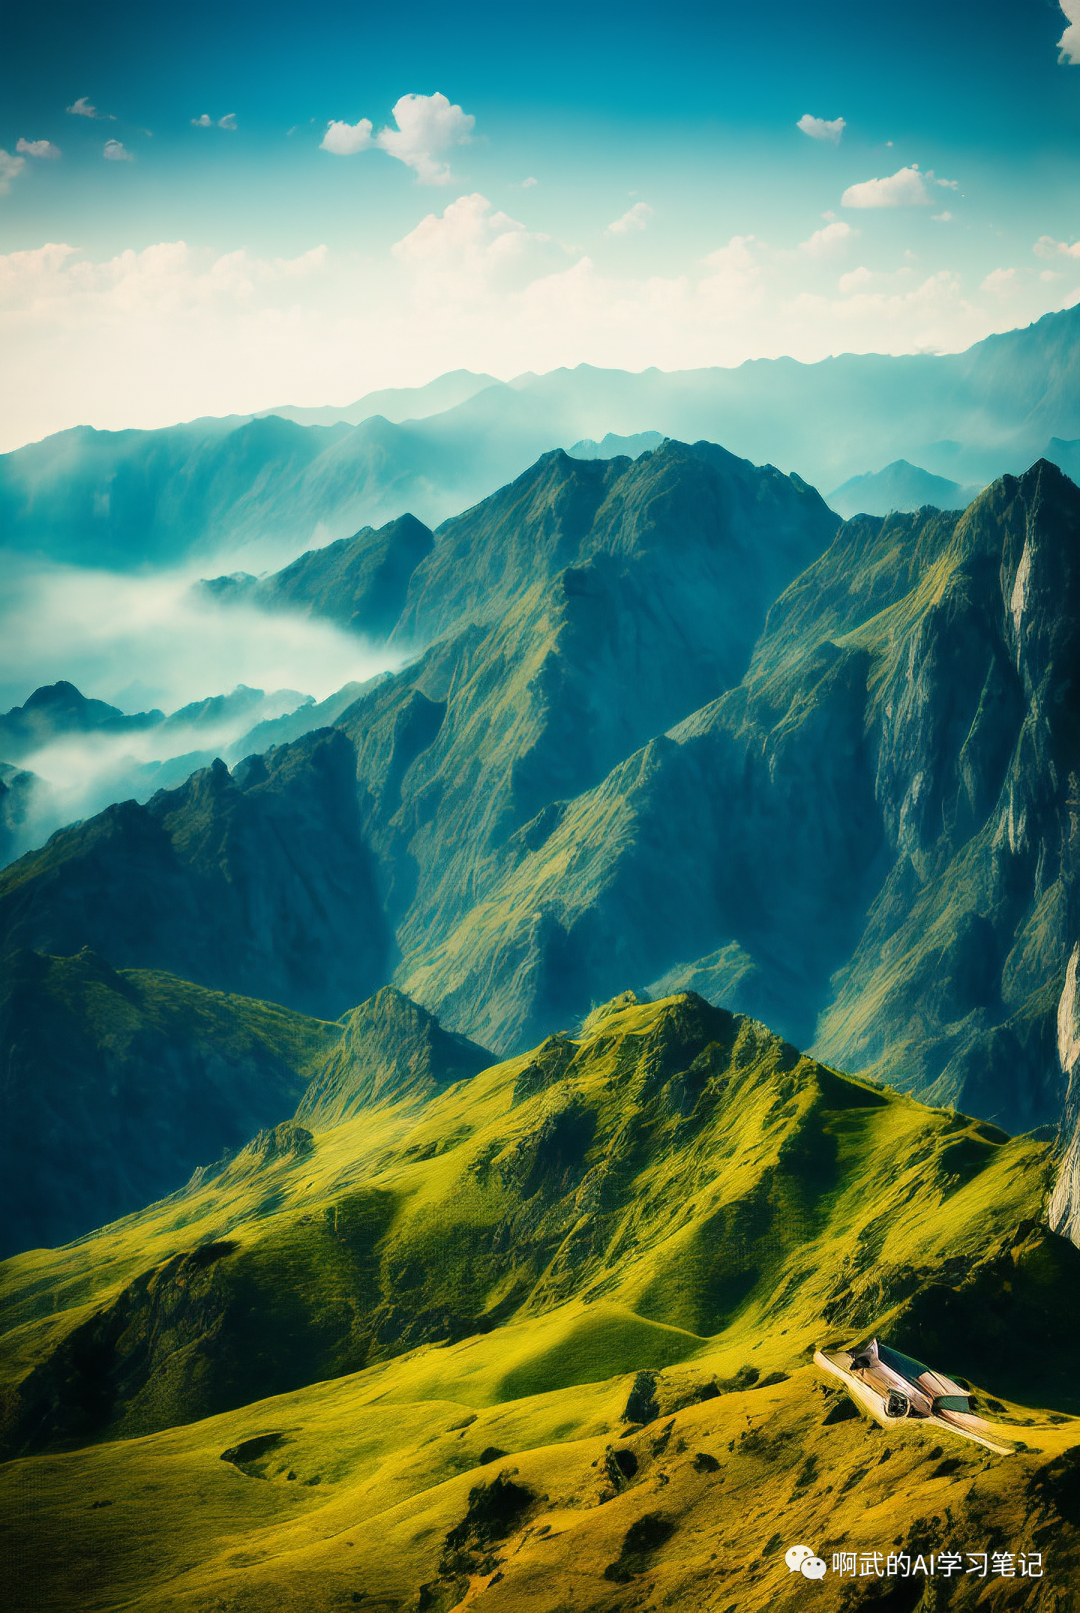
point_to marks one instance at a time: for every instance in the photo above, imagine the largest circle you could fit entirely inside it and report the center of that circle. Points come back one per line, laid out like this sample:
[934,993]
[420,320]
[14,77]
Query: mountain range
[415,1187]
[267,488]
[671,728]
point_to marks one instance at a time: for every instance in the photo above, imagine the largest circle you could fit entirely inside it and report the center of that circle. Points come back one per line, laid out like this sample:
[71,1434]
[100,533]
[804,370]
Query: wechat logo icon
[801,1560]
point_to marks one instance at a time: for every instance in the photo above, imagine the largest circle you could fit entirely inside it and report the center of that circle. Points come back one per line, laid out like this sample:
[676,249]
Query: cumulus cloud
[147,338]
[37,148]
[856,280]
[427,127]
[83,109]
[116,151]
[822,128]
[470,249]
[228,121]
[737,278]
[207,122]
[1069,43]
[905,188]
[1047,247]
[346,139]
[635,218]
[10,168]
[527,184]
[827,242]
[999,281]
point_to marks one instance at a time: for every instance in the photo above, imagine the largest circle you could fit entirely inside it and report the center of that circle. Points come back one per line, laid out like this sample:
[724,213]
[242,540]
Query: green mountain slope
[117,1085]
[257,882]
[582,609]
[903,743]
[674,1179]
[650,1223]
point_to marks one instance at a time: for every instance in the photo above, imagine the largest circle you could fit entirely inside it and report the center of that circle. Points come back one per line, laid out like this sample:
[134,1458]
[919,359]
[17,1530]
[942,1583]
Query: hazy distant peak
[640,442]
[394,404]
[899,486]
[60,708]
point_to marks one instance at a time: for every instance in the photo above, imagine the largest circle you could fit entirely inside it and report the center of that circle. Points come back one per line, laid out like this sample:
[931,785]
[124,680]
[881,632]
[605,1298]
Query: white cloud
[635,218]
[1069,43]
[827,242]
[855,280]
[822,128]
[737,280]
[83,109]
[427,126]
[205,122]
[469,250]
[527,184]
[37,148]
[169,333]
[1047,247]
[999,282]
[948,184]
[116,151]
[905,188]
[346,139]
[941,218]
[10,168]
[228,121]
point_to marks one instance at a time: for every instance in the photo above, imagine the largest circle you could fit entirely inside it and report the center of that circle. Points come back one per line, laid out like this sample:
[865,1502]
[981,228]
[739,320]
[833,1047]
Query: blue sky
[677,215]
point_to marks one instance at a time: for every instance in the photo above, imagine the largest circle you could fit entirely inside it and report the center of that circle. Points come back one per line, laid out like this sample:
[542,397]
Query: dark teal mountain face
[59,709]
[359,582]
[257,882]
[118,1084]
[122,499]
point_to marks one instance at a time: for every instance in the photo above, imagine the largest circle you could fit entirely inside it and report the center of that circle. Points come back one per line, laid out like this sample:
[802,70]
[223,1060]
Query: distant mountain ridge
[269,488]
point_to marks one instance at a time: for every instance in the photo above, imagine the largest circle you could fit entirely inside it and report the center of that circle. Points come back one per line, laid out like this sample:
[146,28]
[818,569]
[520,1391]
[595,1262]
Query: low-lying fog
[144,642]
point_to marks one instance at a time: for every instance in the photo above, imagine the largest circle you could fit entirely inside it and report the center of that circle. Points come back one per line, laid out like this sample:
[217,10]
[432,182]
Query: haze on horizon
[207,213]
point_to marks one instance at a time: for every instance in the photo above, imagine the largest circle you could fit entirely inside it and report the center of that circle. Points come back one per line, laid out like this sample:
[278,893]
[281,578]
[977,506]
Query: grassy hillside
[627,1241]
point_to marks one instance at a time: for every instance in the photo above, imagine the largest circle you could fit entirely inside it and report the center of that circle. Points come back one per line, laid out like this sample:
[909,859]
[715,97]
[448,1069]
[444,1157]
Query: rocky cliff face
[257,882]
[1065,1200]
